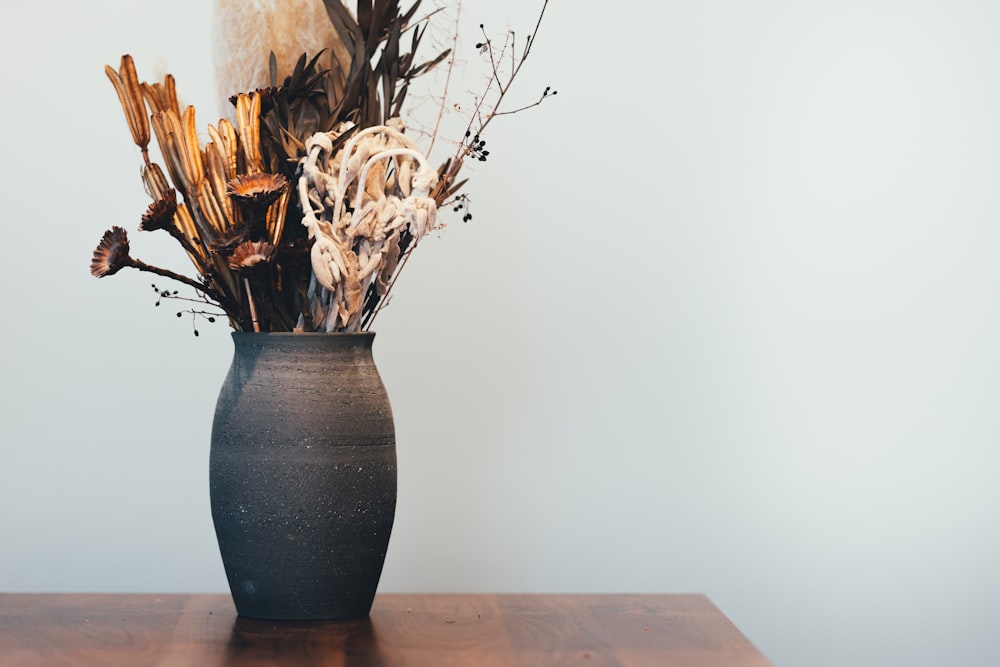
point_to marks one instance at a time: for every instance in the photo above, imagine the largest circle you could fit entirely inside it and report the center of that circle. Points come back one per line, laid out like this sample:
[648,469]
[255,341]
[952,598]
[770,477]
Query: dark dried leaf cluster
[342,84]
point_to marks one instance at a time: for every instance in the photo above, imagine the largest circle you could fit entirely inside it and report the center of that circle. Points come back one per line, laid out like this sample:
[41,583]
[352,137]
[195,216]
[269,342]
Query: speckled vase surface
[303,475]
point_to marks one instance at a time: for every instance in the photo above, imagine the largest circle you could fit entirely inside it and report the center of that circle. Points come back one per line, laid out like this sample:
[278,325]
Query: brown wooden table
[415,630]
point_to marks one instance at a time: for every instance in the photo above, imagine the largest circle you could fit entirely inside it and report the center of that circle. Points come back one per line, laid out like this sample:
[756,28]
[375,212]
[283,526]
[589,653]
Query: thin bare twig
[424,19]
[488,44]
[447,79]
[502,90]
[471,142]
[545,94]
[166,273]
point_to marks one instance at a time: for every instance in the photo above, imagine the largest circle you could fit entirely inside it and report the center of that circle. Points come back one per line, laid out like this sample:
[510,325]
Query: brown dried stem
[167,273]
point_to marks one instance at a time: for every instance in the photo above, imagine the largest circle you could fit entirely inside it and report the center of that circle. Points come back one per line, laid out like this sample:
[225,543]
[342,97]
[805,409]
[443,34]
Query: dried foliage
[299,212]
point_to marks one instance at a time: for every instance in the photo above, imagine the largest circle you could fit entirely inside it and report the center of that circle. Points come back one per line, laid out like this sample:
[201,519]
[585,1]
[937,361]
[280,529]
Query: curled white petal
[355,224]
[325,255]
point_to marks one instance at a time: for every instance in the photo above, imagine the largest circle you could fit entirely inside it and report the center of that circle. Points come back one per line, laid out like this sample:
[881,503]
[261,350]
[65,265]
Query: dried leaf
[375,181]
[390,259]
[345,24]
[410,12]
[365,18]
[428,65]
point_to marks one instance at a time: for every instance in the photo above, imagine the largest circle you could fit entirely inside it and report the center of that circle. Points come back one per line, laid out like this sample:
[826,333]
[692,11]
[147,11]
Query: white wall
[726,321]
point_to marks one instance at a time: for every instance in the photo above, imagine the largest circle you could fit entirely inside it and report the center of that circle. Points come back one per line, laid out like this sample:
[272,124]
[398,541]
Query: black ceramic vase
[303,475]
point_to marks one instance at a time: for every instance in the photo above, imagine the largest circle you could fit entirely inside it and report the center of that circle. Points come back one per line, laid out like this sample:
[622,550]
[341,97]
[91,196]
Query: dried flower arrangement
[299,214]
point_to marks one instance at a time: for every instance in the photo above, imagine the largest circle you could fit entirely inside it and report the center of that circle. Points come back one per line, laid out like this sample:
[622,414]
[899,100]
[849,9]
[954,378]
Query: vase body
[303,475]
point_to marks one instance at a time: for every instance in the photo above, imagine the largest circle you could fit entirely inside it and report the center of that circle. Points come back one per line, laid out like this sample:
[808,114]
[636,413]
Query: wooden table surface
[439,630]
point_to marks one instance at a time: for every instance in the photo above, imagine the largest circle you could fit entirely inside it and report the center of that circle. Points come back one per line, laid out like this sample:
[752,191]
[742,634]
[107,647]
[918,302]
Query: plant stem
[166,273]
[447,79]
[253,309]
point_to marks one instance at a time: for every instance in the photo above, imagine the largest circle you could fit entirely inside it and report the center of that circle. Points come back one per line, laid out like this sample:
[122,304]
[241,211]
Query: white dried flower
[379,185]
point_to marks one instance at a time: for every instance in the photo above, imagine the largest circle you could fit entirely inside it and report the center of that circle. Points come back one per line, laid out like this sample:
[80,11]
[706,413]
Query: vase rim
[301,334]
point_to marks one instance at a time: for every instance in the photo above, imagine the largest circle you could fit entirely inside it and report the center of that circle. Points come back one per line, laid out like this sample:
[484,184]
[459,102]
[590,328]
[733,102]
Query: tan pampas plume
[245,32]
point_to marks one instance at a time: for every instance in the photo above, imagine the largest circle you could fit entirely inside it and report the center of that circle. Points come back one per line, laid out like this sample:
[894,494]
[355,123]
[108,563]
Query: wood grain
[70,630]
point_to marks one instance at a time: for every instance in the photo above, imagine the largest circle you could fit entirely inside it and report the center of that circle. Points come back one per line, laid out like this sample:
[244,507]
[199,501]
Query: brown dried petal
[225,244]
[250,254]
[160,214]
[111,254]
[256,189]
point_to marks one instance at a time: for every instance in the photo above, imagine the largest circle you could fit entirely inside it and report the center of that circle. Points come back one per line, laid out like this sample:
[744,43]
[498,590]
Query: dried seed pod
[126,83]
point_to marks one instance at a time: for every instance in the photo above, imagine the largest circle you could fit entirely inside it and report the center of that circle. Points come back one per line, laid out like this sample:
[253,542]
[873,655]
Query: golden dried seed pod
[192,149]
[130,97]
